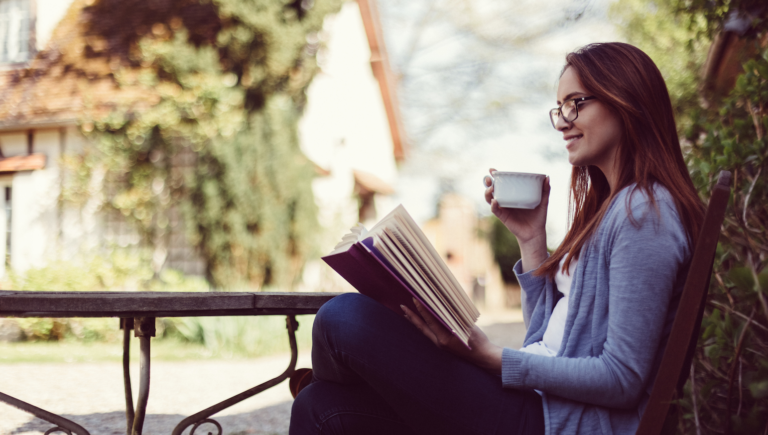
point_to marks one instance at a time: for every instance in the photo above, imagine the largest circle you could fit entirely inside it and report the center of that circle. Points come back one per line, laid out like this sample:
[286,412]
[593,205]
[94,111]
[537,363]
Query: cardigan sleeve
[645,255]
[533,286]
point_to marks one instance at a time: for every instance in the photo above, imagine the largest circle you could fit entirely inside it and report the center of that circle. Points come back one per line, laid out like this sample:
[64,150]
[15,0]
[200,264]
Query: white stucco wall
[345,125]
[34,201]
[49,13]
[42,229]
[344,128]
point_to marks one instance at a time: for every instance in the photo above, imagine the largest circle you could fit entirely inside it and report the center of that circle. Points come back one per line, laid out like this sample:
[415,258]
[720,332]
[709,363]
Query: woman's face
[594,137]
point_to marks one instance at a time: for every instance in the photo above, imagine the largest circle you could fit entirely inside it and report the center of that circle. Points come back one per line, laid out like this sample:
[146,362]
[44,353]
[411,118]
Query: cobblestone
[92,395]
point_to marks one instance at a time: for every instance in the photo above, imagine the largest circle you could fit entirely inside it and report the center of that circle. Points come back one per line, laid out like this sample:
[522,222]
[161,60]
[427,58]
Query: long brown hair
[627,81]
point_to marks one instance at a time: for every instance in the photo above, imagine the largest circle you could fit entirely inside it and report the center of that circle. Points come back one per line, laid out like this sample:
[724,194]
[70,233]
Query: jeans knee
[338,309]
[304,418]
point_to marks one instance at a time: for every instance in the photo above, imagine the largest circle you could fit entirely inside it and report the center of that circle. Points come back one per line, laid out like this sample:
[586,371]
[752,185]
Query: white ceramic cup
[517,189]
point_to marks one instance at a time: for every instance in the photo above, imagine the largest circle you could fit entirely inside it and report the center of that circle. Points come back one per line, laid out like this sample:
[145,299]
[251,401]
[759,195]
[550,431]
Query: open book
[394,262]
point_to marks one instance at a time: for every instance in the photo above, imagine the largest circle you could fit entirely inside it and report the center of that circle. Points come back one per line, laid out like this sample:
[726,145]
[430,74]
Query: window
[15,30]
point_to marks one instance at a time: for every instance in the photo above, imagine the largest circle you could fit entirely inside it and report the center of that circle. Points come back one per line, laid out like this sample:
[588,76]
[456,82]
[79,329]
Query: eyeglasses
[569,109]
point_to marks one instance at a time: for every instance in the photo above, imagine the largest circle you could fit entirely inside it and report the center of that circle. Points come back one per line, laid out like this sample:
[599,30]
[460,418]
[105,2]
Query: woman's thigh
[357,341]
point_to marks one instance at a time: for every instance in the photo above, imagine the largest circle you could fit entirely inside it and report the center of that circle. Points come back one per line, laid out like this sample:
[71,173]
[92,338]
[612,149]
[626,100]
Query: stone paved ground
[91,394]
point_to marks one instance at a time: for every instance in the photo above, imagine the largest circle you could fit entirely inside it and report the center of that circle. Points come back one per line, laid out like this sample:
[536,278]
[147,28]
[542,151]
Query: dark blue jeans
[375,373]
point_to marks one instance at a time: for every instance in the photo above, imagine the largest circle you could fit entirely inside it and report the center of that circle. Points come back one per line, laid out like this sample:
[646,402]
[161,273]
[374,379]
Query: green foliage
[505,248]
[714,13]
[125,271]
[206,123]
[241,336]
[730,366]
[728,392]
[672,41]
[117,271]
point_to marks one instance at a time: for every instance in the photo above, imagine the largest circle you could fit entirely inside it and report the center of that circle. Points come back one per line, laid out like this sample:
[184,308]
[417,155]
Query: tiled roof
[73,76]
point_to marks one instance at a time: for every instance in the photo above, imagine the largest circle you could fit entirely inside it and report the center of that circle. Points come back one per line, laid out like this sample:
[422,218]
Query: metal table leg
[201,417]
[62,424]
[144,330]
[127,325]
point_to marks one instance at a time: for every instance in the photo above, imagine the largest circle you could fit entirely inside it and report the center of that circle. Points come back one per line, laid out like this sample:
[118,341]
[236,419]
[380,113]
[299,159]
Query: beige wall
[456,235]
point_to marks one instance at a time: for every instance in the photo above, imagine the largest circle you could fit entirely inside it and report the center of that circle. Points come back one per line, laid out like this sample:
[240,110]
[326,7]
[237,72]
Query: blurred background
[226,145]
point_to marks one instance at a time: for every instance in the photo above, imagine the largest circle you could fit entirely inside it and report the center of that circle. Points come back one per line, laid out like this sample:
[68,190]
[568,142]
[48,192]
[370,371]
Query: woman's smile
[571,139]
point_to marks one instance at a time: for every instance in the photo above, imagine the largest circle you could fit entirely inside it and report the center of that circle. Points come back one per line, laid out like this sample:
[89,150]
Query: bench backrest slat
[685,329]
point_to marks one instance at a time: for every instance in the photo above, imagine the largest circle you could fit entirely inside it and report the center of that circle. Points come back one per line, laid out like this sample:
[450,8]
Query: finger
[443,336]
[487,180]
[491,171]
[489,194]
[419,323]
[495,208]
[428,317]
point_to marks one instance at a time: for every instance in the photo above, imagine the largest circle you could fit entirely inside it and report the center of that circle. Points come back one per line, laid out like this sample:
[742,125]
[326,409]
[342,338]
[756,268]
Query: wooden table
[137,311]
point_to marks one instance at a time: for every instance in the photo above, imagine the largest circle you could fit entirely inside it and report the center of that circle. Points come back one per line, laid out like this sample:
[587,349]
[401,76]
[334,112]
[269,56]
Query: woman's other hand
[529,226]
[483,353]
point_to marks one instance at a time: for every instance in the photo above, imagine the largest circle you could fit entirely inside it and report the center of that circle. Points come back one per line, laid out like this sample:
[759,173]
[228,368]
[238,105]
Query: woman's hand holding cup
[528,225]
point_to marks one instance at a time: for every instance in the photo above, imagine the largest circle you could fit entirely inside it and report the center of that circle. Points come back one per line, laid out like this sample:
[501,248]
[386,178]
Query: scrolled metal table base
[207,420]
[145,329]
[69,427]
[204,416]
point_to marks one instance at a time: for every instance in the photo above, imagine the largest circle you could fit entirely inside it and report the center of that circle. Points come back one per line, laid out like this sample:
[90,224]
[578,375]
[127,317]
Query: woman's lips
[571,140]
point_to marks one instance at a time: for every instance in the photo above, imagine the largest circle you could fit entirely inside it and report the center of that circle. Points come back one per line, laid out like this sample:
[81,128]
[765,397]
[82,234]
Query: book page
[461,313]
[426,247]
[355,234]
[416,265]
[400,241]
[432,297]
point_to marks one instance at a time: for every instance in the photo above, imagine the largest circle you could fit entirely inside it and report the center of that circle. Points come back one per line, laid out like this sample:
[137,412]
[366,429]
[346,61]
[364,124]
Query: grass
[78,352]
[225,338]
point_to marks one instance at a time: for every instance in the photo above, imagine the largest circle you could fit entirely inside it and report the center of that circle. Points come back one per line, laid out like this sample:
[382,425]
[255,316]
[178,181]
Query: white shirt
[553,336]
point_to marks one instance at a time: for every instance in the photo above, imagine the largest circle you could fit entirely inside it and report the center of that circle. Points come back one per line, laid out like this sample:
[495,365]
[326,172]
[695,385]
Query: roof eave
[383,74]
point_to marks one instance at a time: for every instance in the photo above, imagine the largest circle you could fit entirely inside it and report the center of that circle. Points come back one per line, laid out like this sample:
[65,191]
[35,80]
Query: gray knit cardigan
[623,299]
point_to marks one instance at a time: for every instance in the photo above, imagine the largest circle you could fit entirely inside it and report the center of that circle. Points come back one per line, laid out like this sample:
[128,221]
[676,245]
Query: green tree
[204,123]
[506,250]
[727,390]
[673,42]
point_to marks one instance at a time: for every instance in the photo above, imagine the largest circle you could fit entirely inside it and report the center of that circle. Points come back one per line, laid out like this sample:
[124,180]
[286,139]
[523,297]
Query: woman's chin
[574,159]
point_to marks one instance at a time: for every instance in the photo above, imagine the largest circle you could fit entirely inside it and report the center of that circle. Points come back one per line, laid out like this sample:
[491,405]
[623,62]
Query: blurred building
[460,238]
[351,131]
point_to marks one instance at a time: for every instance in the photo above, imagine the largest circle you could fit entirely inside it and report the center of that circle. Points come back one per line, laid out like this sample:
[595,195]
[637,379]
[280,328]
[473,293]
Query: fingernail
[403,308]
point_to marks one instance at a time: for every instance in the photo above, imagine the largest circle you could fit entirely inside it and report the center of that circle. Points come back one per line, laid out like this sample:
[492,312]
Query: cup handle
[493,184]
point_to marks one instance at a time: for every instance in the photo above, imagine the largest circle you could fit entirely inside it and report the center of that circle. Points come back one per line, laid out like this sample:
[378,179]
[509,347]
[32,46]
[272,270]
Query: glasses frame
[553,119]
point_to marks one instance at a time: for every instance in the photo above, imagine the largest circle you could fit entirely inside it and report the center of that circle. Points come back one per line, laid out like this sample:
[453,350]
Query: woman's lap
[370,363]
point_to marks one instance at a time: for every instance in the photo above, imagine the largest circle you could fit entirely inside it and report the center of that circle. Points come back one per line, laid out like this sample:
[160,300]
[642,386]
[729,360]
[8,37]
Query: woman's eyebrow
[569,96]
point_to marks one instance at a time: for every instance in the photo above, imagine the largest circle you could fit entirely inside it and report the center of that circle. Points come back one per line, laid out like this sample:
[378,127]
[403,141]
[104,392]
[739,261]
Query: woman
[598,310]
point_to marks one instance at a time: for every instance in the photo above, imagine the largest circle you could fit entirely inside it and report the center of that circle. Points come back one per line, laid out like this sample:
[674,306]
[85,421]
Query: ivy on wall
[204,126]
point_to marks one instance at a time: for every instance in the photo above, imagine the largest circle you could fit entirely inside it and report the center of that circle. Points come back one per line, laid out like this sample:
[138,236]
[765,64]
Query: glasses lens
[553,115]
[569,111]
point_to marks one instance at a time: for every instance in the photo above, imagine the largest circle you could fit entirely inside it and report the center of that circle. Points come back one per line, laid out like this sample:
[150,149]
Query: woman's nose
[562,124]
